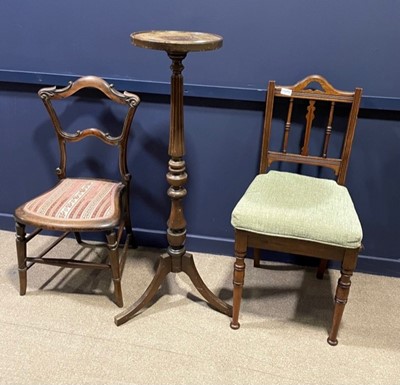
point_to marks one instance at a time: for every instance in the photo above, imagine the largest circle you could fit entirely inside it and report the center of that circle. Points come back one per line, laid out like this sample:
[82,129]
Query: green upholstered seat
[297,206]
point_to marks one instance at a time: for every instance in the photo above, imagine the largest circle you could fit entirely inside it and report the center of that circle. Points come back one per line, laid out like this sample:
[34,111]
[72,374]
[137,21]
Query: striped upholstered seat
[72,203]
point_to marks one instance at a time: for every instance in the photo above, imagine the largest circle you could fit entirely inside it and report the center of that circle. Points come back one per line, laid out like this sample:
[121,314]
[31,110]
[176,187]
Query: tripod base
[165,267]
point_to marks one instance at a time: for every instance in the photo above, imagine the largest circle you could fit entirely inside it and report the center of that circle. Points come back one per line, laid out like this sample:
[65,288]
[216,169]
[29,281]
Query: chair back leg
[256,257]
[323,265]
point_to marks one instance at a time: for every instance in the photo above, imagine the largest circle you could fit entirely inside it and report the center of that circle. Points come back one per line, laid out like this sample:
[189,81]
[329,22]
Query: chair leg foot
[235,326]
[22,282]
[332,342]
[118,293]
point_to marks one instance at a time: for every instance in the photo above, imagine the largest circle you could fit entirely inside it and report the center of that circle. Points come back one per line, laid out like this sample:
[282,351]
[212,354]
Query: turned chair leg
[132,243]
[238,277]
[342,294]
[115,270]
[21,255]
[323,265]
[256,257]
[131,239]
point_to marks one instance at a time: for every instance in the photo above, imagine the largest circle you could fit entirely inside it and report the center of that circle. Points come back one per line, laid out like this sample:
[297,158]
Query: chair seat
[74,204]
[296,206]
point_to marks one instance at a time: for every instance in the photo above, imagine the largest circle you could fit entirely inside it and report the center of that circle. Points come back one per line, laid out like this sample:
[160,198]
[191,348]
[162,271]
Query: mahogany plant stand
[177,44]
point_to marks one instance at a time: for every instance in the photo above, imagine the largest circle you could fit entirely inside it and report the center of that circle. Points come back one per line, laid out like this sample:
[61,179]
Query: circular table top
[177,41]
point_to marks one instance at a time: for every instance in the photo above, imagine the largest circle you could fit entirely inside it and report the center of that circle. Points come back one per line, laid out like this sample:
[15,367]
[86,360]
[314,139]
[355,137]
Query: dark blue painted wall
[352,43]
[48,43]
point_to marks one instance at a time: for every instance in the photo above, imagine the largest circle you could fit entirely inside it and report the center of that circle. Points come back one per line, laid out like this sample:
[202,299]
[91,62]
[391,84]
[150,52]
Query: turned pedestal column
[177,44]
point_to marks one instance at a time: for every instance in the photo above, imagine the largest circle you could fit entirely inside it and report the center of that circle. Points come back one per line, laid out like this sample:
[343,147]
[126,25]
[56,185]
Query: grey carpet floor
[62,331]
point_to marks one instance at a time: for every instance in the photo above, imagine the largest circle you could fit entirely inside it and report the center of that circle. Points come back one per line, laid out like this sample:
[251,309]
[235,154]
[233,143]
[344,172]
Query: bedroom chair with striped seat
[298,203]
[79,205]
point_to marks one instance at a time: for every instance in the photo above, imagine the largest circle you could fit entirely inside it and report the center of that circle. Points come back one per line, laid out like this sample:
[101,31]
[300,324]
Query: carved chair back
[64,136]
[312,94]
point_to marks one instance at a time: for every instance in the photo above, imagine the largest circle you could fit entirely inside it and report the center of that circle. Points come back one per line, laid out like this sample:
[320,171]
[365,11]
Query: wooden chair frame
[247,239]
[113,227]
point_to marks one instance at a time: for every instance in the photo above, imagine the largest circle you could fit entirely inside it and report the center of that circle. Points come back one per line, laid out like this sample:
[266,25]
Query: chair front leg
[115,270]
[238,276]
[21,255]
[342,293]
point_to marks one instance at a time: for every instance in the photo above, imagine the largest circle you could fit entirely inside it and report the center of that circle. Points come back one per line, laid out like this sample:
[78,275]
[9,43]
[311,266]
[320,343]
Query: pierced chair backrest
[80,205]
[302,92]
[130,100]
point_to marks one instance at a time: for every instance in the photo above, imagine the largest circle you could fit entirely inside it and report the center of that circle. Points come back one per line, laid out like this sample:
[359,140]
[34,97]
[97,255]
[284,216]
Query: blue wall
[49,43]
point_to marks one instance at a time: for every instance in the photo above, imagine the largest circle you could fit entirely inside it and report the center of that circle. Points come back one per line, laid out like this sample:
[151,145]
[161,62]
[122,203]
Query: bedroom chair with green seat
[83,205]
[304,209]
